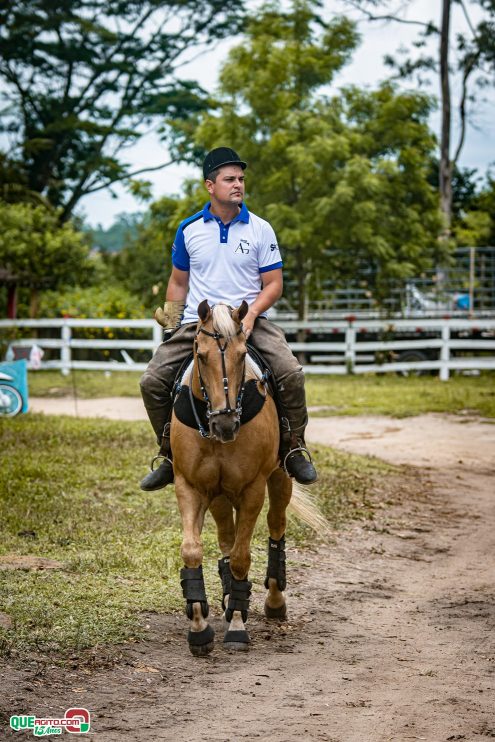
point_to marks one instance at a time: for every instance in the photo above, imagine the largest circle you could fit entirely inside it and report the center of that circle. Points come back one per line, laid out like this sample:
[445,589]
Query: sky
[366,69]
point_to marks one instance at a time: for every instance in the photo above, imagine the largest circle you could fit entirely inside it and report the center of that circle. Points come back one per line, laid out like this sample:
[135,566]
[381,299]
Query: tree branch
[371,17]
[468,19]
[462,105]
[127,176]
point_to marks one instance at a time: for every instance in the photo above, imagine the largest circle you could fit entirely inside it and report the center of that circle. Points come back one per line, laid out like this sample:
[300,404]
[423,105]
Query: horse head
[220,366]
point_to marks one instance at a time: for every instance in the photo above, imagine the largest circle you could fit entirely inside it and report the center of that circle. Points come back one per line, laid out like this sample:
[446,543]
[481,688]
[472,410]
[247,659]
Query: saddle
[252,402]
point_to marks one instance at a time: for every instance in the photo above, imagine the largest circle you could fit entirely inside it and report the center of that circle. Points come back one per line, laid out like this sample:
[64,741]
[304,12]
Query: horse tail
[304,507]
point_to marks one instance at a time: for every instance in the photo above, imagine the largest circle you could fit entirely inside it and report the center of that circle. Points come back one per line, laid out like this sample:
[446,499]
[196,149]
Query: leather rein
[227,410]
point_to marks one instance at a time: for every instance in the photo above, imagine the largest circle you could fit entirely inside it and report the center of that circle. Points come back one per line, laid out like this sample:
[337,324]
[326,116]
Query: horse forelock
[223,322]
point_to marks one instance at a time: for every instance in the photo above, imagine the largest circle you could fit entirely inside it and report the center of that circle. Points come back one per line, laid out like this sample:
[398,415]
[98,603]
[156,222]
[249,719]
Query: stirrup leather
[164,453]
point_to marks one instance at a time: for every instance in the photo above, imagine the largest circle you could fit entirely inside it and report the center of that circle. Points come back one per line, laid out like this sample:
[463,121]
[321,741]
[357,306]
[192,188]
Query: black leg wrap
[200,638]
[226,577]
[276,563]
[193,589]
[239,598]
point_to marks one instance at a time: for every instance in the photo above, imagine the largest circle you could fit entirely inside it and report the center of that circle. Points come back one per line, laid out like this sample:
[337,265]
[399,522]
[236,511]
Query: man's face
[229,185]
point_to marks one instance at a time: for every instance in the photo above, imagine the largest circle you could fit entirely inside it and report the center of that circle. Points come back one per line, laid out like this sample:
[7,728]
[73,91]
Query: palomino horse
[226,469]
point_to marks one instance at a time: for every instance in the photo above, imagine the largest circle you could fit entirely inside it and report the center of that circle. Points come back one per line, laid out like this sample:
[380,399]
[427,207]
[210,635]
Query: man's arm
[273,284]
[178,285]
[170,316]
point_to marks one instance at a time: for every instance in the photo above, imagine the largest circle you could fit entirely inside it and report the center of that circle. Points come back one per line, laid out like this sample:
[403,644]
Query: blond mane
[223,322]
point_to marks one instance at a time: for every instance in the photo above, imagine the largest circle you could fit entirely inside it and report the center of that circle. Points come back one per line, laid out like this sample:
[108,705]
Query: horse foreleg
[223,514]
[279,493]
[192,509]
[251,502]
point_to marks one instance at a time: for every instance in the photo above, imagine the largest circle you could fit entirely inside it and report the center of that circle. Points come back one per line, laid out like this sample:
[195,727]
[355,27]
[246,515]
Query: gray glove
[170,316]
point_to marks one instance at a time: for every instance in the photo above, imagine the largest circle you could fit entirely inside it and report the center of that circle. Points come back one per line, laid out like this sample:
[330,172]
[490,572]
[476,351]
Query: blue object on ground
[462,301]
[18,379]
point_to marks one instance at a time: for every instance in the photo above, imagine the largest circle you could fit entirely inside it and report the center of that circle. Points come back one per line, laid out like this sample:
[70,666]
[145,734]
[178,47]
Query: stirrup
[156,458]
[301,449]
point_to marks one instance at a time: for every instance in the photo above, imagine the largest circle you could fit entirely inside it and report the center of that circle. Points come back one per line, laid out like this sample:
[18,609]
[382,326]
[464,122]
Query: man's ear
[239,313]
[204,310]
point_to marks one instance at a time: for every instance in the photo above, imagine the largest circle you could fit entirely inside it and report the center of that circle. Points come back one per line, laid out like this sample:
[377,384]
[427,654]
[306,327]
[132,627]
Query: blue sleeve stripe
[179,266]
[271,267]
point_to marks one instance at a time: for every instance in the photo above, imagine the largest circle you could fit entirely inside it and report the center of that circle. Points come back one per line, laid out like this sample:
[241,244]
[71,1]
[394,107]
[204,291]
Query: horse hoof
[280,612]
[201,642]
[237,641]
[202,650]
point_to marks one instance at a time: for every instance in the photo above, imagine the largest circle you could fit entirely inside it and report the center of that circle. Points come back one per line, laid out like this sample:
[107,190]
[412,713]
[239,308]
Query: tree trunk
[34,303]
[445,161]
[12,301]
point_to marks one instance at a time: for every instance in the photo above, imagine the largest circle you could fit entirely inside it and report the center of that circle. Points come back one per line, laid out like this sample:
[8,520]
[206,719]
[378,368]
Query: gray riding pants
[158,379]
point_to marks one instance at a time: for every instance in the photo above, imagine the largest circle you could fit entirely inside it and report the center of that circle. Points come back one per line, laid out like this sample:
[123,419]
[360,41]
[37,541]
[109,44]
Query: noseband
[227,410]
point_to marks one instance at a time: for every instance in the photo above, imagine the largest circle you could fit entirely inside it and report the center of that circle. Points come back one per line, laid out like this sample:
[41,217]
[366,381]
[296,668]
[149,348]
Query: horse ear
[239,313]
[204,310]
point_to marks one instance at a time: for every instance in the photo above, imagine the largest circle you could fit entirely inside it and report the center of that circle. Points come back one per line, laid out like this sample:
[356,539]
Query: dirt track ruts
[390,634]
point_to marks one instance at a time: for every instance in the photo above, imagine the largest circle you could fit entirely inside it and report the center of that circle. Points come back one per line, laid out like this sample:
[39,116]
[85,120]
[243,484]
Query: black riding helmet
[219,157]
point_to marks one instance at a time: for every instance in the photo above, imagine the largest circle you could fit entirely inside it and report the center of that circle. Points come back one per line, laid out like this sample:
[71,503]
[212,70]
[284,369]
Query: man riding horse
[225,253]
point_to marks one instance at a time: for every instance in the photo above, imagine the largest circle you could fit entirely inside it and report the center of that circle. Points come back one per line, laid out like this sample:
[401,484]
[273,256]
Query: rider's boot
[292,456]
[164,473]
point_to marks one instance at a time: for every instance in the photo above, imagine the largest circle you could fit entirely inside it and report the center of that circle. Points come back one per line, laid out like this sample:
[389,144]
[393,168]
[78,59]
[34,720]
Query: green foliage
[144,264]
[113,239]
[92,301]
[97,302]
[342,179]
[118,548]
[476,224]
[39,252]
[80,82]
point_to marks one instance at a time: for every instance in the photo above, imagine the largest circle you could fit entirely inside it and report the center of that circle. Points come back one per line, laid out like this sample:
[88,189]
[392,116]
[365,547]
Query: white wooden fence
[354,354]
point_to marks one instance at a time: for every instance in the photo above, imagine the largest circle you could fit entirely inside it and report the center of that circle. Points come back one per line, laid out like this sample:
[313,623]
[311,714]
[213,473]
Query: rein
[227,410]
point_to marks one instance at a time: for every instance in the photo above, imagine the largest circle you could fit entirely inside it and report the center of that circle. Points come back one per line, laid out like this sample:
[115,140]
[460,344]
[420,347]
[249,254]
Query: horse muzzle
[225,427]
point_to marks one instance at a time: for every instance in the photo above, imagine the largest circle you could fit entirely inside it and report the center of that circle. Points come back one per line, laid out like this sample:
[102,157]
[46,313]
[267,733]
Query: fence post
[157,336]
[66,352]
[350,348]
[445,353]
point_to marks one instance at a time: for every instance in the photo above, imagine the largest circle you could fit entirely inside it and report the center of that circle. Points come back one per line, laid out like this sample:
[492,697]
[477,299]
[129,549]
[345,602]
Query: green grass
[399,396]
[69,492]
[85,384]
[347,395]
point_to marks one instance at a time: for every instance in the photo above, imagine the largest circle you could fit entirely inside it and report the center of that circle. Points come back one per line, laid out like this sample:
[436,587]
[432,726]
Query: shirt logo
[273,246]
[243,247]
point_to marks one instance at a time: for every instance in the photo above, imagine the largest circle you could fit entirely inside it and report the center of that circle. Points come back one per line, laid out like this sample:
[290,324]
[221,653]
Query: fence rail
[352,351]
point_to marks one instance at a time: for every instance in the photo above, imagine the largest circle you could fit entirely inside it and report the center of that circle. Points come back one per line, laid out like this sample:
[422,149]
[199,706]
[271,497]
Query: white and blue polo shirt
[225,261]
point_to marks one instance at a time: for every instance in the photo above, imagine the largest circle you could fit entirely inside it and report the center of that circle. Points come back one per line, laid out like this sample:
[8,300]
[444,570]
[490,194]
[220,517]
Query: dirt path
[390,634]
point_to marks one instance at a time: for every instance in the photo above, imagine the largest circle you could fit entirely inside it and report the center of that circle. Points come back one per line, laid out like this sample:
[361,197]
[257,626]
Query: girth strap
[239,598]
[276,563]
[193,589]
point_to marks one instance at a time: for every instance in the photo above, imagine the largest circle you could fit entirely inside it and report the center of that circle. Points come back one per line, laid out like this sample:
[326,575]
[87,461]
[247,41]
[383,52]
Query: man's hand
[170,316]
[248,323]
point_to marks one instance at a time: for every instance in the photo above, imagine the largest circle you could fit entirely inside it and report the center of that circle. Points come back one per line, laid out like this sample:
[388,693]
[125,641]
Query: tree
[84,80]
[342,179]
[476,223]
[475,62]
[115,237]
[143,266]
[39,252]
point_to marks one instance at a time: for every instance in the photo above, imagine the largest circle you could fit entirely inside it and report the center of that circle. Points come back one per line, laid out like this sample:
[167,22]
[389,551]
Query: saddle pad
[252,402]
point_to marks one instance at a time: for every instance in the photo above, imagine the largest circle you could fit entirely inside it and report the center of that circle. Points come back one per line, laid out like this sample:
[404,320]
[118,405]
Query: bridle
[227,410]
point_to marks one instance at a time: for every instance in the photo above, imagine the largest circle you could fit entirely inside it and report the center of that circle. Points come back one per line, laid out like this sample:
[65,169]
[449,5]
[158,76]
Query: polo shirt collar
[243,215]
